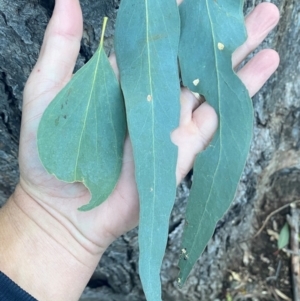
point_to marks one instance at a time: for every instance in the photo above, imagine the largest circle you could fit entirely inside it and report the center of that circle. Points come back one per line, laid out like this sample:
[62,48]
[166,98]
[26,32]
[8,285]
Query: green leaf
[82,132]
[284,237]
[146,43]
[211,31]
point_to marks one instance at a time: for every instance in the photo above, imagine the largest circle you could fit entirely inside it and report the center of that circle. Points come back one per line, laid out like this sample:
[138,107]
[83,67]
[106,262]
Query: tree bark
[233,265]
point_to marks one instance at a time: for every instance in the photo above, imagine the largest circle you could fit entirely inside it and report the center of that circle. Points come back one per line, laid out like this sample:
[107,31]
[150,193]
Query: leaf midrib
[153,129]
[86,114]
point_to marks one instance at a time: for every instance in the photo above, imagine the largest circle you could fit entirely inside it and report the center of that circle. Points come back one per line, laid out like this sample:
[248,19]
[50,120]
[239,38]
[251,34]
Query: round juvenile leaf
[82,132]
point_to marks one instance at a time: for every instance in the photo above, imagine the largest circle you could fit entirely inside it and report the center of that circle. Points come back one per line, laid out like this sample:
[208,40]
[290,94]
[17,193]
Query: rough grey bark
[271,177]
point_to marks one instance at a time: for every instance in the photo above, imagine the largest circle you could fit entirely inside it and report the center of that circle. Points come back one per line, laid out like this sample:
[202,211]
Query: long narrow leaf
[211,31]
[146,43]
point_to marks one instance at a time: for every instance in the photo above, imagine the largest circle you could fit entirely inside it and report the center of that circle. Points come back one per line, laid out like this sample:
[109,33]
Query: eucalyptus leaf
[146,44]
[210,32]
[82,132]
[284,236]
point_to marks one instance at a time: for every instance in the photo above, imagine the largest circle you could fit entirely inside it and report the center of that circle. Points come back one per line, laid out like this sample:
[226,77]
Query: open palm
[119,213]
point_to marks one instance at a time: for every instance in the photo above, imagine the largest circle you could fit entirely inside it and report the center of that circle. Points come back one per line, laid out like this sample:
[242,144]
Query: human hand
[85,235]
[197,124]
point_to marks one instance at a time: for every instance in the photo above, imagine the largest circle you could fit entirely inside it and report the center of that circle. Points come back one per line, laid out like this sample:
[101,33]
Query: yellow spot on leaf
[184,254]
[196,82]
[221,46]
[149,97]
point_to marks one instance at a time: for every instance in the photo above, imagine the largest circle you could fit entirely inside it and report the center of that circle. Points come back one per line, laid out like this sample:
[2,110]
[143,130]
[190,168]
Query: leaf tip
[86,207]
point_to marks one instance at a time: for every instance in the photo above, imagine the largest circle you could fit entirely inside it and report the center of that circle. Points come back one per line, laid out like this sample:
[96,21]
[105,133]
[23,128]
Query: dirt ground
[266,271]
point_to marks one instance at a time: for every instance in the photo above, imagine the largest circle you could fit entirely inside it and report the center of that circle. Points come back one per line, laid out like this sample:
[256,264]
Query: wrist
[40,254]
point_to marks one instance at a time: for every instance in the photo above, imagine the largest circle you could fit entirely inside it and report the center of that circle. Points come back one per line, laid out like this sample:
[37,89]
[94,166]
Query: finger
[258,70]
[113,62]
[197,127]
[258,24]
[62,40]
[188,103]
[60,48]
